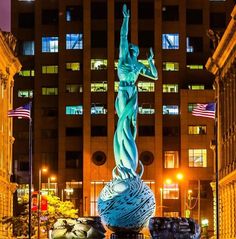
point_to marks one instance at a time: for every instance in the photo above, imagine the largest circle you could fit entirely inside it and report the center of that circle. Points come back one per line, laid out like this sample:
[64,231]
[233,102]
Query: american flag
[205,110]
[21,112]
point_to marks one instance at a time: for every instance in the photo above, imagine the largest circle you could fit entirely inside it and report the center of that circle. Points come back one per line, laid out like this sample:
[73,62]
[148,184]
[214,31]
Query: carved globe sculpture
[126,203]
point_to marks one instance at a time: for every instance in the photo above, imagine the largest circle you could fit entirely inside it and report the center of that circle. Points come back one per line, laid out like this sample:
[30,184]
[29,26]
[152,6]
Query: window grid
[171,159]
[72,66]
[197,129]
[197,158]
[50,44]
[170,66]
[49,91]
[74,41]
[50,69]
[170,41]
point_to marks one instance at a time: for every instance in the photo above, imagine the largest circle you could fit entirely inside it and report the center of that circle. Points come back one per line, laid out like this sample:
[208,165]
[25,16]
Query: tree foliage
[56,209]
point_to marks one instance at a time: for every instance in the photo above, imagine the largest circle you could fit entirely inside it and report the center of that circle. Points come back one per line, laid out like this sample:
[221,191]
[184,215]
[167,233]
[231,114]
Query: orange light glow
[179,176]
[168,181]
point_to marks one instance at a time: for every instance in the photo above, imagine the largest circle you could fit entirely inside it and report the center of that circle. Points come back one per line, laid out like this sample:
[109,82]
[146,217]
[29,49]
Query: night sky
[5,18]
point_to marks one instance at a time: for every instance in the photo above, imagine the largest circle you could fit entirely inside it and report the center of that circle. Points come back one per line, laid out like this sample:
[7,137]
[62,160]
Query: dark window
[24,166]
[196,43]
[74,131]
[170,13]
[74,159]
[99,10]
[49,133]
[217,20]
[99,131]
[118,9]
[50,16]
[170,131]
[147,130]
[74,13]
[50,159]
[194,16]
[26,20]
[146,10]
[146,38]
[49,112]
[99,39]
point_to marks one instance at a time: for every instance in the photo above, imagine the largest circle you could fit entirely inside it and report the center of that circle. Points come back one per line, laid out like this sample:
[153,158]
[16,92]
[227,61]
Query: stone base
[127,235]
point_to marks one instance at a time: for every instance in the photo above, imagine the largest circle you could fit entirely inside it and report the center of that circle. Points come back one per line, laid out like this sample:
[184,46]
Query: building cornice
[227,45]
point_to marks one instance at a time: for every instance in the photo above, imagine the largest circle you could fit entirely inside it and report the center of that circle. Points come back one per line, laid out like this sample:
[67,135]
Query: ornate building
[9,66]
[223,65]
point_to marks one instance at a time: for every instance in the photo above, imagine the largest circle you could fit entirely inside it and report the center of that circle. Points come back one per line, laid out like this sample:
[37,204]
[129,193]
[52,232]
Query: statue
[126,203]
[125,150]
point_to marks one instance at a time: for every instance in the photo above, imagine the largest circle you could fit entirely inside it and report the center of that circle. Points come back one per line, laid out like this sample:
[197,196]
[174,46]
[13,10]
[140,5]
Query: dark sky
[5,17]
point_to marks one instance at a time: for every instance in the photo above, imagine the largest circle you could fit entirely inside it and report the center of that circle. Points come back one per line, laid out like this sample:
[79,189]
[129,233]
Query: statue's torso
[128,70]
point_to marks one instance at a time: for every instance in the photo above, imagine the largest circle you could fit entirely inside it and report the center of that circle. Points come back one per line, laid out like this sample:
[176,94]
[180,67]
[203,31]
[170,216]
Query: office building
[9,66]
[223,65]
[69,51]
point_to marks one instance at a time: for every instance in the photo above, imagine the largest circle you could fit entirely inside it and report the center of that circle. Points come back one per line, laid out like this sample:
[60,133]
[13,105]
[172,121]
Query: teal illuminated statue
[126,155]
[126,203]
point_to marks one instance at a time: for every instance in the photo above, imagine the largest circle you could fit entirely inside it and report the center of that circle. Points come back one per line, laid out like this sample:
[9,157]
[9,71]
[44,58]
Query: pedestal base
[127,235]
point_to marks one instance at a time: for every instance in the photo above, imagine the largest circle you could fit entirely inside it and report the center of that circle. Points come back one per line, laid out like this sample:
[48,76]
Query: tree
[56,209]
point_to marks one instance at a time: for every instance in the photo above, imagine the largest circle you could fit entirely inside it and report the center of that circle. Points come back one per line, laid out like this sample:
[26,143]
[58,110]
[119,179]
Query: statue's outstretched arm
[124,33]
[152,71]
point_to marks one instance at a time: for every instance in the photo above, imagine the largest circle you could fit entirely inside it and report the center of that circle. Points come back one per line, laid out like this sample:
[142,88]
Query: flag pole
[217,173]
[30,173]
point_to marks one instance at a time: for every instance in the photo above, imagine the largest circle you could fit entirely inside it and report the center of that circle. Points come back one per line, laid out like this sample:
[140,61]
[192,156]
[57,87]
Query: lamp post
[39,196]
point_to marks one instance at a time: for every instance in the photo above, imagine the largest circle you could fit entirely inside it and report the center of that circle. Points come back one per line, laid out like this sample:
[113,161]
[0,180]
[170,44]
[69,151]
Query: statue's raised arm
[124,45]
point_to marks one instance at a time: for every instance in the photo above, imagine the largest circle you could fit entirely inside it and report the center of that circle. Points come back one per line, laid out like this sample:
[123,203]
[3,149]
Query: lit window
[74,88]
[171,159]
[197,157]
[49,91]
[116,64]
[98,109]
[145,62]
[74,110]
[197,129]
[25,93]
[146,86]
[170,41]
[146,109]
[49,44]
[189,47]
[170,88]
[171,214]
[72,66]
[195,67]
[28,48]
[74,13]
[53,69]
[170,66]
[116,86]
[171,191]
[170,109]
[74,41]
[26,73]
[98,64]
[191,106]
[99,87]
[196,87]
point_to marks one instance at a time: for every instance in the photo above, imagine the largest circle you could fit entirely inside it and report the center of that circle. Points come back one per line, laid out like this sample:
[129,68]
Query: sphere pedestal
[127,236]
[125,206]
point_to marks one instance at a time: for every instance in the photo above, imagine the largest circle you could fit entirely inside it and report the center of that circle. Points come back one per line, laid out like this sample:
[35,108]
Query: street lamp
[41,170]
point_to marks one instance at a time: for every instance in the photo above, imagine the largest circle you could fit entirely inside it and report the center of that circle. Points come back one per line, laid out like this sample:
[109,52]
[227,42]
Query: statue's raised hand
[125,11]
[151,54]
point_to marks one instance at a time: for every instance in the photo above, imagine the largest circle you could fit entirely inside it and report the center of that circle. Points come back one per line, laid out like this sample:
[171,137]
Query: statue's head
[133,49]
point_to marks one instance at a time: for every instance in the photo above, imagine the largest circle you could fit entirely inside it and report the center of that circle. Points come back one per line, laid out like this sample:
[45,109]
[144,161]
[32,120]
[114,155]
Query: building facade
[9,66]
[69,51]
[223,65]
